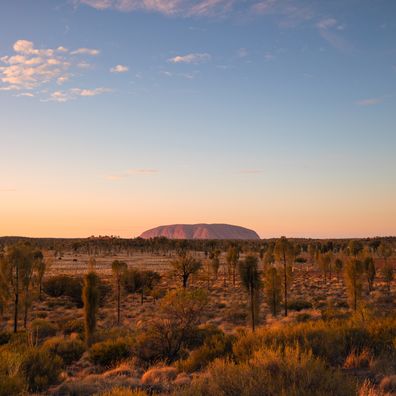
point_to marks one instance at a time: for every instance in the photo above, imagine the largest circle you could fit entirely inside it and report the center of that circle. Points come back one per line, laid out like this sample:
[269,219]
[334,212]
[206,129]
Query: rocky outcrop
[201,231]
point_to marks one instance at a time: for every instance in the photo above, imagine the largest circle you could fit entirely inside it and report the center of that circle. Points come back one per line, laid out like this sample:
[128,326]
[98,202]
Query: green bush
[42,329]
[110,352]
[67,349]
[64,285]
[40,369]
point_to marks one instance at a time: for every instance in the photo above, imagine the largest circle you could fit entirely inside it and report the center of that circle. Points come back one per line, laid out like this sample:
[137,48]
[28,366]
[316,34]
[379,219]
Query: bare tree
[251,280]
[184,266]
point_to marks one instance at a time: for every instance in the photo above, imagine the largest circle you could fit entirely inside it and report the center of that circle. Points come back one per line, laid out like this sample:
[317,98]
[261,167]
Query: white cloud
[119,69]
[191,58]
[31,69]
[86,51]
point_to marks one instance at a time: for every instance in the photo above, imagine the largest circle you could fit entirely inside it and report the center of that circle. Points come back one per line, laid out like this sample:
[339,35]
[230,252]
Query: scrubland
[338,338]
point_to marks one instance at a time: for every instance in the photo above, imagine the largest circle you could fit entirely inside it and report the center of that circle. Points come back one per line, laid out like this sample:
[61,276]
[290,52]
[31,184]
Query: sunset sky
[121,115]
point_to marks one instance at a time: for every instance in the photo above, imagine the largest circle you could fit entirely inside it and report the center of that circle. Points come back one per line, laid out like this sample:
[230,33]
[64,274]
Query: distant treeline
[113,244]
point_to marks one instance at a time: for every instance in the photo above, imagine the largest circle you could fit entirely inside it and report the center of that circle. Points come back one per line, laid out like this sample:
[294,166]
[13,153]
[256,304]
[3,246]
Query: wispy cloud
[130,173]
[193,58]
[166,7]
[86,51]
[242,53]
[119,69]
[326,23]
[251,171]
[74,93]
[369,101]
[328,28]
[6,190]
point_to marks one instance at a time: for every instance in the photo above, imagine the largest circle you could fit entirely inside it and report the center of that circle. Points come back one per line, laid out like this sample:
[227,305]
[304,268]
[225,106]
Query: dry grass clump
[10,380]
[41,329]
[356,360]
[332,341]
[271,372]
[388,384]
[94,385]
[369,389]
[214,346]
[159,375]
[122,392]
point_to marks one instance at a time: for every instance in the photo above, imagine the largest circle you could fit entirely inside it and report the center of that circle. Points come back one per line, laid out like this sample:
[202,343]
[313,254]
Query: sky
[121,115]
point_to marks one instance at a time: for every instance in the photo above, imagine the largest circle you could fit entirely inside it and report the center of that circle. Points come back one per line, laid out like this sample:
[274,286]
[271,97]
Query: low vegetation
[280,317]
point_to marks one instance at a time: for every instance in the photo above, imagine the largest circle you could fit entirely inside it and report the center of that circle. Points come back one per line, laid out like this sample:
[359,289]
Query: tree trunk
[25,314]
[285,281]
[118,302]
[16,299]
[252,308]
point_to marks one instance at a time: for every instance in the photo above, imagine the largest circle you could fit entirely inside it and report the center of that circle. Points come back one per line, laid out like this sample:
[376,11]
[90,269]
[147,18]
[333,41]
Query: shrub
[110,352]
[299,305]
[42,329]
[40,369]
[331,340]
[272,372]
[215,346]
[63,285]
[11,382]
[303,317]
[67,349]
[74,326]
[4,337]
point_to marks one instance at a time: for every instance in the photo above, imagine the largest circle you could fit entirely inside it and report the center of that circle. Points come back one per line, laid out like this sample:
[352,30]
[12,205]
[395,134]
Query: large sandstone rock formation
[200,231]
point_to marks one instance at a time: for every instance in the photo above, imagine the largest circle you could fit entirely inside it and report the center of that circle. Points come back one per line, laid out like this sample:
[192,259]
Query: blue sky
[120,115]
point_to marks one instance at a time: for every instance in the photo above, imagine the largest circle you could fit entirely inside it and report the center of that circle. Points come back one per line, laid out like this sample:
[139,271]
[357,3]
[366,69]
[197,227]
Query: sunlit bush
[272,372]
